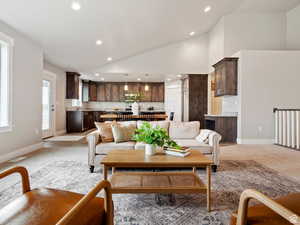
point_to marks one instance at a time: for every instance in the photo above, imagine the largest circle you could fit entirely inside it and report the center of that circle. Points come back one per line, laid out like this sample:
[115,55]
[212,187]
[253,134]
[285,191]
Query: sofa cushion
[123,132]
[105,131]
[106,147]
[162,124]
[194,144]
[184,130]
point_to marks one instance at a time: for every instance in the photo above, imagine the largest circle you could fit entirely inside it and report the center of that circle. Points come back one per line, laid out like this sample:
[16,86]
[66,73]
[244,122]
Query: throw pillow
[203,137]
[105,132]
[122,133]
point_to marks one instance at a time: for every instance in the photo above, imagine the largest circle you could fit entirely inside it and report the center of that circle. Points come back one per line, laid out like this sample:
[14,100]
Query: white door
[48,101]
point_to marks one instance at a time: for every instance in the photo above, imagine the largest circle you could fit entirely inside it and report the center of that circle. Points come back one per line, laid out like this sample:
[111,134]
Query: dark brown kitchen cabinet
[226,126]
[108,92]
[72,85]
[161,92]
[154,93]
[115,92]
[121,92]
[146,94]
[226,75]
[92,91]
[80,121]
[101,97]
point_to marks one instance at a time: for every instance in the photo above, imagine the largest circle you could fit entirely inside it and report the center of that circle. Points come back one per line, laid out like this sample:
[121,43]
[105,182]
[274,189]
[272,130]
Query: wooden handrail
[24,174]
[249,194]
[87,198]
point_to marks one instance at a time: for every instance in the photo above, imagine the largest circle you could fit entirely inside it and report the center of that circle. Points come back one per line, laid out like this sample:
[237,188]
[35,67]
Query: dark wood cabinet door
[72,85]
[161,92]
[101,92]
[115,95]
[92,91]
[146,95]
[155,93]
[226,77]
[108,92]
[121,92]
[74,121]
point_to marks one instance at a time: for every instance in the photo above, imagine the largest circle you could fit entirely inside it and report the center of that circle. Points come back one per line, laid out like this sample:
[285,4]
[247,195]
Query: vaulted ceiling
[126,27]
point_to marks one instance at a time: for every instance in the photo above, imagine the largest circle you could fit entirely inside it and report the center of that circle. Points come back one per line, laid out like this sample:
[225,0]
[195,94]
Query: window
[6,45]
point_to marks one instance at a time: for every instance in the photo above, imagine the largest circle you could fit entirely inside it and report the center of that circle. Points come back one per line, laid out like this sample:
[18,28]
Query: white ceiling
[126,27]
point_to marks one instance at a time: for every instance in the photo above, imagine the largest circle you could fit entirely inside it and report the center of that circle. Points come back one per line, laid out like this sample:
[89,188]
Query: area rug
[232,178]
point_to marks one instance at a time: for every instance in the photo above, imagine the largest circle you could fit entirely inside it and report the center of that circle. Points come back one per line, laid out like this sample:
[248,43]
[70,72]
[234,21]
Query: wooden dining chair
[281,211]
[45,206]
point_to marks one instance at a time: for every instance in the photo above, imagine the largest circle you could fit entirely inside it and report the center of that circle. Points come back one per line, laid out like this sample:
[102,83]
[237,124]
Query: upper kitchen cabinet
[157,92]
[72,85]
[92,91]
[89,91]
[115,92]
[145,92]
[226,77]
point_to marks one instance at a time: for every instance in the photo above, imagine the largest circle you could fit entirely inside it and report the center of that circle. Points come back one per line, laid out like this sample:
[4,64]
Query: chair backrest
[172,116]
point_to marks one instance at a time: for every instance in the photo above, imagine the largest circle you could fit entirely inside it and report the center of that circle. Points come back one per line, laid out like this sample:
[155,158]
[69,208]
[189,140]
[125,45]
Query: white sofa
[184,133]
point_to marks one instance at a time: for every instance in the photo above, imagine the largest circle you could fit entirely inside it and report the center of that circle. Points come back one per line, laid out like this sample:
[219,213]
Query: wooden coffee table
[157,182]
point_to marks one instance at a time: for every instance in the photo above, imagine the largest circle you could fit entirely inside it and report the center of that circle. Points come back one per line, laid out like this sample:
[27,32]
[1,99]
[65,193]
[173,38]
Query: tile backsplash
[230,104]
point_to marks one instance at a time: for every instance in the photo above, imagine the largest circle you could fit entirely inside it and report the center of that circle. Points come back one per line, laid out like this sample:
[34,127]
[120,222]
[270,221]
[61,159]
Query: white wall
[293,29]
[60,96]
[27,94]
[188,56]
[216,44]
[267,79]
[255,31]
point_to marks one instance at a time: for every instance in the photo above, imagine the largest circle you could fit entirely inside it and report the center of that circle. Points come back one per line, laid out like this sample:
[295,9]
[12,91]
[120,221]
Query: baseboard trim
[21,151]
[255,141]
[60,132]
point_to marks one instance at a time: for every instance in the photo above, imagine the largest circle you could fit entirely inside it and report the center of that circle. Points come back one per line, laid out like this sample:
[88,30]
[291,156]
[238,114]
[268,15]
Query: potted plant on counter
[153,137]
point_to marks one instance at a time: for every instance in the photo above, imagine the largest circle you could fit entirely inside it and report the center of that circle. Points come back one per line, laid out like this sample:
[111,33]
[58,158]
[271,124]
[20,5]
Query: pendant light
[126,85]
[146,86]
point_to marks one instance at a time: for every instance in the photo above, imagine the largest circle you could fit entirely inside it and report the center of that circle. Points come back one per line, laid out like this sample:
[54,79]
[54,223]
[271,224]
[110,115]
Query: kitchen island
[80,120]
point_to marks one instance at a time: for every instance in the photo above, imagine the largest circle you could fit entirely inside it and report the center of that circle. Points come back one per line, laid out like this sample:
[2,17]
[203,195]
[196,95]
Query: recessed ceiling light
[99,42]
[75,6]
[139,79]
[109,58]
[207,8]
[192,33]
[97,74]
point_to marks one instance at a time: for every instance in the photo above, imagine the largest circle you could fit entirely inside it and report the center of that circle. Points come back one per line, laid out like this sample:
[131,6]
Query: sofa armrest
[93,139]
[214,141]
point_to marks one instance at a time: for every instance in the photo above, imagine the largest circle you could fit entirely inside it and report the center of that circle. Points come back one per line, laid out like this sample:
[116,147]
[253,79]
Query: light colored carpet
[228,183]
[65,138]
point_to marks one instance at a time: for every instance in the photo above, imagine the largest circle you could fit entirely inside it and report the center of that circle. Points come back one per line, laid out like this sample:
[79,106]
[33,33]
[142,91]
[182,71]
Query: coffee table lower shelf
[158,182]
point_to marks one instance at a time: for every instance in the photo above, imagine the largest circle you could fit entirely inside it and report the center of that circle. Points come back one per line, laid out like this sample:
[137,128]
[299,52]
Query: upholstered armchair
[285,210]
[45,206]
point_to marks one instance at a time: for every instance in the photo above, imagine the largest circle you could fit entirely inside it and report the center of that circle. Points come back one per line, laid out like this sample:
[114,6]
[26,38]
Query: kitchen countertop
[113,111]
[222,115]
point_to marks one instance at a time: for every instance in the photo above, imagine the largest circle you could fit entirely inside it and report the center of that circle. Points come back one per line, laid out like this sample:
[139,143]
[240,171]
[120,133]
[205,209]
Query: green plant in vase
[153,137]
